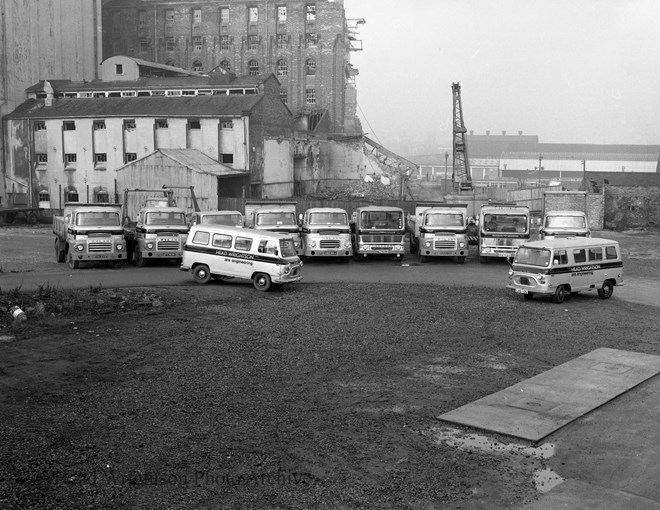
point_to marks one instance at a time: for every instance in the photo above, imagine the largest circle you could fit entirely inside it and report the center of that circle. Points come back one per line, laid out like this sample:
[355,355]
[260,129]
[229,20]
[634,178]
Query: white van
[267,258]
[561,266]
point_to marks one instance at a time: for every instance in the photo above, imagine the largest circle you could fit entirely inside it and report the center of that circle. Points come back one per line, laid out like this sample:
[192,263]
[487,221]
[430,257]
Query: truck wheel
[606,291]
[529,296]
[357,257]
[482,260]
[461,260]
[261,282]
[560,294]
[413,246]
[73,264]
[421,257]
[116,264]
[201,274]
[139,259]
[60,256]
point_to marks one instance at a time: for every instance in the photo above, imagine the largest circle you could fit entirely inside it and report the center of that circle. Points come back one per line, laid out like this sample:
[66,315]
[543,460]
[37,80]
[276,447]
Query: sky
[568,71]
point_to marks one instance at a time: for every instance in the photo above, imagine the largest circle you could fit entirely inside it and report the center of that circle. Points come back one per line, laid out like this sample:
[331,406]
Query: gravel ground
[322,396]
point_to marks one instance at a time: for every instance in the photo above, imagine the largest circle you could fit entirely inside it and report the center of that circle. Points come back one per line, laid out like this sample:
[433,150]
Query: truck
[564,215]
[89,233]
[439,230]
[275,217]
[378,230]
[503,227]
[227,218]
[159,230]
[326,232]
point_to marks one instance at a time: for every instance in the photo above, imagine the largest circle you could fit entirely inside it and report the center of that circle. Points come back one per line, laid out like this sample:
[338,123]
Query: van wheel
[461,260]
[73,264]
[606,291]
[60,256]
[201,274]
[529,296]
[560,294]
[261,282]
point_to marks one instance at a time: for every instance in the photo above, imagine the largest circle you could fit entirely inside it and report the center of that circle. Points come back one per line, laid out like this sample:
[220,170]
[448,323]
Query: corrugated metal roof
[192,159]
[644,153]
[180,106]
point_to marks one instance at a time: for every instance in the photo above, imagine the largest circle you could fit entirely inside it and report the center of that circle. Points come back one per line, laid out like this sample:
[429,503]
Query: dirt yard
[315,396]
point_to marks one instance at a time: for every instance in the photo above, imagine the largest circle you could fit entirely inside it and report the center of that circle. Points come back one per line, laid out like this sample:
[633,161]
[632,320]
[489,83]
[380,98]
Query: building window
[42,158]
[227,159]
[253,42]
[161,123]
[225,42]
[71,195]
[224,15]
[283,95]
[40,126]
[144,45]
[69,125]
[225,65]
[197,66]
[173,93]
[169,43]
[194,124]
[129,125]
[253,68]
[197,16]
[226,124]
[142,18]
[282,41]
[101,196]
[281,13]
[282,68]
[311,40]
[310,12]
[169,17]
[253,14]
[310,67]
[310,96]
[130,156]
[119,69]
[100,159]
[70,159]
[98,124]
[197,43]
[44,196]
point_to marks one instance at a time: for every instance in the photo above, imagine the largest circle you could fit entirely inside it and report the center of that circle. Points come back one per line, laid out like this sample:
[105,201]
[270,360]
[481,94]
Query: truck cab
[439,230]
[227,218]
[326,232]
[378,230]
[502,229]
[564,224]
[279,217]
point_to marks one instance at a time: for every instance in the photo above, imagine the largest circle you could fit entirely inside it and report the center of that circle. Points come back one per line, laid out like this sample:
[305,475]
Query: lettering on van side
[234,255]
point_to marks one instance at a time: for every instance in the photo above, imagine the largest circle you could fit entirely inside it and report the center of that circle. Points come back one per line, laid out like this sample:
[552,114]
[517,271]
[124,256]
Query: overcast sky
[569,71]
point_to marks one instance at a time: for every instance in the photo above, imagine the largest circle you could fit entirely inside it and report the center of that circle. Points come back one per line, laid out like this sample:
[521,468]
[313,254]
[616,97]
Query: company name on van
[235,255]
[579,269]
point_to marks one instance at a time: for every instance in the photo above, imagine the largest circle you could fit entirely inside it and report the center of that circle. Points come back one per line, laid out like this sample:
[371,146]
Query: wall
[278,169]
[631,207]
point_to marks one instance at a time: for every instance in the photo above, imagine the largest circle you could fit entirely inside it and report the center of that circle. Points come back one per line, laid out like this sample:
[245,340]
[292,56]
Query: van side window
[267,246]
[595,254]
[560,258]
[201,237]
[222,241]
[243,243]
[610,253]
[580,255]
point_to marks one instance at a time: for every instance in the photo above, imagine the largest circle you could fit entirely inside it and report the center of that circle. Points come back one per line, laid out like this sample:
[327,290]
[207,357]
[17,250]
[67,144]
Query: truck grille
[330,243]
[97,247]
[382,239]
[445,244]
[167,245]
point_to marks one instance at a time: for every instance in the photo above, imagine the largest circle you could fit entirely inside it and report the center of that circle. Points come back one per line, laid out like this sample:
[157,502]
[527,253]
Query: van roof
[570,242]
[223,229]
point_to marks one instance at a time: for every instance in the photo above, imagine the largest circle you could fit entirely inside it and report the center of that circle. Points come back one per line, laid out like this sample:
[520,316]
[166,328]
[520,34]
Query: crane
[461,176]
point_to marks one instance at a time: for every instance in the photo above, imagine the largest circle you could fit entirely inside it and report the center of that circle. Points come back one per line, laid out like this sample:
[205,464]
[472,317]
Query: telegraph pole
[446,158]
[540,168]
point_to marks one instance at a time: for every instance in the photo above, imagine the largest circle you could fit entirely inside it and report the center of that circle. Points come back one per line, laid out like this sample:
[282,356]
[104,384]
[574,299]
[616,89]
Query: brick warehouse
[306,45]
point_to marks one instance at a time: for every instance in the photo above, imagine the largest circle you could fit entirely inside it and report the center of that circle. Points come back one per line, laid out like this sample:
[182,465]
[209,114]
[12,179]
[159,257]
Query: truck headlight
[312,244]
[296,244]
[461,245]
[150,245]
[348,244]
[428,244]
[119,247]
[80,247]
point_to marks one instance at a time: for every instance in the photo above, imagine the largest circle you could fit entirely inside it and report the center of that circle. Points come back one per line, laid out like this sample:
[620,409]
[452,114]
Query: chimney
[488,133]
[48,89]
[503,133]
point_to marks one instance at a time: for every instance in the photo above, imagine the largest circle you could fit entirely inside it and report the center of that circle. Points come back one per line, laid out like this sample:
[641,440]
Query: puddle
[546,479]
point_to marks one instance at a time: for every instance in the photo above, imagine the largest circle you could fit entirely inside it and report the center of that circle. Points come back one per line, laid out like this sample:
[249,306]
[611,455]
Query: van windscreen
[532,256]
[286,248]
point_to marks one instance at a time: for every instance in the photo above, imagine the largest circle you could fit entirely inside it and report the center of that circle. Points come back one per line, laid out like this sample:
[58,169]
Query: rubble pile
[358,190]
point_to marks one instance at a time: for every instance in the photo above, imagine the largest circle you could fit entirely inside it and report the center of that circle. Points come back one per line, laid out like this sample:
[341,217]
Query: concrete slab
[537,407]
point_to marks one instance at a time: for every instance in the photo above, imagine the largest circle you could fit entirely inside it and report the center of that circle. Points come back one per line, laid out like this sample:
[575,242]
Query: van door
[221,262]
[244,260]
[580,277]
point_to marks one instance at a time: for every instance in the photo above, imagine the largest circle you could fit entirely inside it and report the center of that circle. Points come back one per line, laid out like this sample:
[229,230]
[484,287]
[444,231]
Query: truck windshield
[328,218]
[532,256]
[97,219]
[276,218]
[165,218]
[382,219]
[565,221]
[286,248]
[505,223]
[444,220]
[222,219]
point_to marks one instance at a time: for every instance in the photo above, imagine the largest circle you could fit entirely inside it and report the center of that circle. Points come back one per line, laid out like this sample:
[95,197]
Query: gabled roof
[183,106]
[192,159]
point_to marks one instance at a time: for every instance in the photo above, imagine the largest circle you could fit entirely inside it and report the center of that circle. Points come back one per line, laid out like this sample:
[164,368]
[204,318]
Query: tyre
[421,257]
[60,256]
[116,264]
[73,264]
[201,274]
[560,294]
[139,259]
[482,260]
[261,282]
[413,247]
[461,260]
[606,291]
[357,257]
[528,297]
